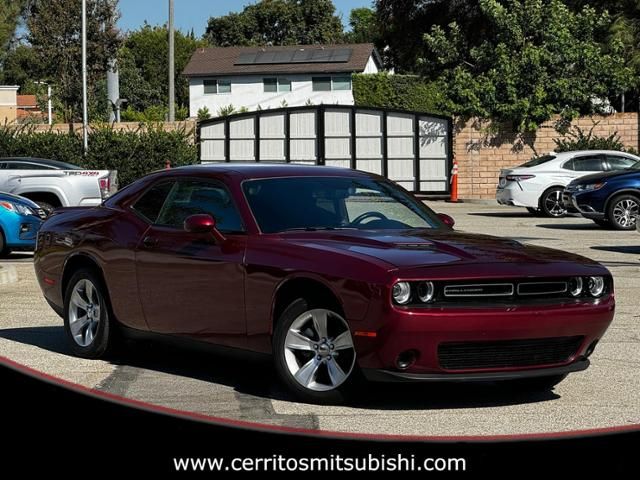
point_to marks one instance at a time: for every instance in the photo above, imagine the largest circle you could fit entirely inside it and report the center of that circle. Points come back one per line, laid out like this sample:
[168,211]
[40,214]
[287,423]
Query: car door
[582,165]
[190,284]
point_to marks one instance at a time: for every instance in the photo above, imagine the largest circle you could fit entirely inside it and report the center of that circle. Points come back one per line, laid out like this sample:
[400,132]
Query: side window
[150,204]
[192,197]
[26,166]
[587,164]
[619,163]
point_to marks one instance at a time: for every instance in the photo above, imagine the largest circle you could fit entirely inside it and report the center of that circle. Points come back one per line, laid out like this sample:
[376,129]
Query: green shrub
[577,139]
[403,92]
[134,153]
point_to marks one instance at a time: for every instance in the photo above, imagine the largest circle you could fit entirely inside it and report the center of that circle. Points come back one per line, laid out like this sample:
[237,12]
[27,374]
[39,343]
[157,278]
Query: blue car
[20,220]
[611,199]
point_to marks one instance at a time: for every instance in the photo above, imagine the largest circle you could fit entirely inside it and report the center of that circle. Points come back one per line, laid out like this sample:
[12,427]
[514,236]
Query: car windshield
[534,162]
[312,203]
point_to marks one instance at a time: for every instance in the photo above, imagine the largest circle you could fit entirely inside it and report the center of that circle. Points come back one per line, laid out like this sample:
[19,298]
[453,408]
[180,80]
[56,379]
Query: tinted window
[321,84]
[195,197]
[270,85]
[586,164]
[617,162]
[27,166]
[342,83]
[534,162]
[150,204]
[334,202]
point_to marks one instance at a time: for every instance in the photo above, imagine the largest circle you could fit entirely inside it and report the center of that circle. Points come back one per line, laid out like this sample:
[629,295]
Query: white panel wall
[272,138]
[303,128]
[337,132]
[369,141]
[434,145]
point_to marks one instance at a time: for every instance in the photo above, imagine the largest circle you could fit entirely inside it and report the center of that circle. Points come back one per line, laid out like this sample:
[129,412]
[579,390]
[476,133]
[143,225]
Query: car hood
[597,177]
[9,197]
[420,248]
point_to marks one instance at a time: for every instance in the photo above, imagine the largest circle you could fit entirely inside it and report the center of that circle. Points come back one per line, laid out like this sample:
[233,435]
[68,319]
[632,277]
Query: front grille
[542,288]
[479,290]
[504,354]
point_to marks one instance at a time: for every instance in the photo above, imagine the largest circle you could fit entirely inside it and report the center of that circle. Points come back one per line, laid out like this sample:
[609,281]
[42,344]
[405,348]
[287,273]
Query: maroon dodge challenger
[339,274]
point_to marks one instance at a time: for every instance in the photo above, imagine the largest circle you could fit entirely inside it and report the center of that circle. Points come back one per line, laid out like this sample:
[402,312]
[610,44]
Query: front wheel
[622,212]
[551,203]
[314,353]
[4,250]
[87,322]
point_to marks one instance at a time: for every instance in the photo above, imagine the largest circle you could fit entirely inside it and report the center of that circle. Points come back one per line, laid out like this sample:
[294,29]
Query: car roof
[43,161]
[270,170]
[591,152]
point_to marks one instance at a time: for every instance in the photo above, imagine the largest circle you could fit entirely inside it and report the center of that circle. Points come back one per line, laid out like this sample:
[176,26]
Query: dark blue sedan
[20,220]
[611,199]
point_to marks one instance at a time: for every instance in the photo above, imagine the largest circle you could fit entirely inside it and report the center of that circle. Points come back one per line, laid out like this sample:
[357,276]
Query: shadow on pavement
[17,257]
[628,249]
[256,376]
[523,214]
[570,226]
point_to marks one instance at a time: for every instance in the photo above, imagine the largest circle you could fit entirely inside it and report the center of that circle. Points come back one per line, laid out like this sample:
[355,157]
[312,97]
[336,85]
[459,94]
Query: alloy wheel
[553,203]
[84,312]
[319,351]
[625,212]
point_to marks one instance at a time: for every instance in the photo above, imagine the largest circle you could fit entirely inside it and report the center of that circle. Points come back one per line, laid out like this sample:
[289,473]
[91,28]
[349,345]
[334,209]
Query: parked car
[329,270]
[53,184]
[611,199]
[20,220]
[539,183]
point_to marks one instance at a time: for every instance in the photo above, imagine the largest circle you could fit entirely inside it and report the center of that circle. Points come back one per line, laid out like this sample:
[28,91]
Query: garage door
[411,148]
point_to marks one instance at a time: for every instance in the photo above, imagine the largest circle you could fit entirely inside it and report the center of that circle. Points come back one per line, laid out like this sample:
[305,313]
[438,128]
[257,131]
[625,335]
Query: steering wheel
[361,218]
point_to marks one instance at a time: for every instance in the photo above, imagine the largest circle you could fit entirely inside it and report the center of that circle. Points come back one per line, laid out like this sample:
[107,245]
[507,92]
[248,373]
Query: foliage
[54,27]
[204,114]
[577,139]
[226,111]
[132,153]
[540,59]
[277,22]
[155,113]
[10,12]
[364,26]
[404,92]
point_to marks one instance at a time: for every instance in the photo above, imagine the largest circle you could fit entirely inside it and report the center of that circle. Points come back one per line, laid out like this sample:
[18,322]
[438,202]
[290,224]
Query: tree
[54,32]
[10,13]
[144,68]
[364,26]
[277,22]
[537,59]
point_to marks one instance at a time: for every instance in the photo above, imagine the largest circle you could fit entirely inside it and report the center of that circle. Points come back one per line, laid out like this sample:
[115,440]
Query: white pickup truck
[53,184]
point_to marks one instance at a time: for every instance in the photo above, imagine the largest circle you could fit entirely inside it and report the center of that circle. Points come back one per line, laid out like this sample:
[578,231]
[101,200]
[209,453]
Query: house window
[342,83]
[273,84]
[321,84]
[214,87]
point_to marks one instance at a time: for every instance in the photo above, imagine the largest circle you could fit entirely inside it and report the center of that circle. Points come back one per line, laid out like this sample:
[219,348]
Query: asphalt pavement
[605,395]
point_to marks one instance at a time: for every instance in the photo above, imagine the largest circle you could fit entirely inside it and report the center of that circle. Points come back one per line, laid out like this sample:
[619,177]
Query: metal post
[49,105]
[85,113]
[172,65]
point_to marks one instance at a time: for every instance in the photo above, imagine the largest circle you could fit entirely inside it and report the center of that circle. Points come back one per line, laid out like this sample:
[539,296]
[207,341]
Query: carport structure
[415,149]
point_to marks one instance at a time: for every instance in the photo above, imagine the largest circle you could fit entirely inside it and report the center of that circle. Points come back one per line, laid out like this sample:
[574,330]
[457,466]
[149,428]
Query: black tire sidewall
[336,396]
[103,339]
[543,208]
[612,205]
[4,251]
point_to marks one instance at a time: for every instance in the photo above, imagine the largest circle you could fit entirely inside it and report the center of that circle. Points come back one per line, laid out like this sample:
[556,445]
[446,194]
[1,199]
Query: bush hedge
[132,153]
[404,92]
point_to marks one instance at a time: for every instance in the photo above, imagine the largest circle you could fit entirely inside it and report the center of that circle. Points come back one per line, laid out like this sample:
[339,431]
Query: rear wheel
[537,384]
[622,212]
[4,250]
[314,353]
[551,203]
[87,319]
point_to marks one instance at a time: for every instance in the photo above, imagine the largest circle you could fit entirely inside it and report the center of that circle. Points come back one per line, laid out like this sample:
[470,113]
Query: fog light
[24,228]
[406,359]
[426,291]
[401,292]
[575,286]
[596,286]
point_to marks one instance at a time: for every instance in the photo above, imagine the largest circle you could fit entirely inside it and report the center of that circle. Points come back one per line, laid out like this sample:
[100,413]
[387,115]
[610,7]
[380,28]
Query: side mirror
[203,223]
[447,220]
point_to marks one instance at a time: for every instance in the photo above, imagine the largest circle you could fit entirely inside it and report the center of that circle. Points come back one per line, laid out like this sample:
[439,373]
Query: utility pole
[85,114]
[172,64]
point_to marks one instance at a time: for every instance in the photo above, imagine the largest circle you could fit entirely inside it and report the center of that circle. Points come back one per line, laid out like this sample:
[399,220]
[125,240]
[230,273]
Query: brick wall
[481,155]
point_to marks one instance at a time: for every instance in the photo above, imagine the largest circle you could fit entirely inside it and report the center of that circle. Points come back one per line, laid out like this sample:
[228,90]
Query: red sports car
[337,273]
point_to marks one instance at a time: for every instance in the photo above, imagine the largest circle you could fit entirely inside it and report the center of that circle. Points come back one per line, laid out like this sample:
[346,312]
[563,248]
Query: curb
[8,275]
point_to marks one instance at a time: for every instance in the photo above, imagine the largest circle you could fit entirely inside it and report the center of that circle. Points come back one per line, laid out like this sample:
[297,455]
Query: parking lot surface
[605,395]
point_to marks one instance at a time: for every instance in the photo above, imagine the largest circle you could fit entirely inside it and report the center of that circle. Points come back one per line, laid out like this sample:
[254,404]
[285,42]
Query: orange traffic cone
[454,184]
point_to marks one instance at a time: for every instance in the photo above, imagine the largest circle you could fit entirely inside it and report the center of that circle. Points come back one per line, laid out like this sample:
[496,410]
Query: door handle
[150,242]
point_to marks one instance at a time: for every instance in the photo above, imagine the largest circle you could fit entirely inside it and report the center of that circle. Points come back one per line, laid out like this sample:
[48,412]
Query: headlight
[17,208]
[589,187]
[596,286]
[426,291]
[575,286]
[401,292]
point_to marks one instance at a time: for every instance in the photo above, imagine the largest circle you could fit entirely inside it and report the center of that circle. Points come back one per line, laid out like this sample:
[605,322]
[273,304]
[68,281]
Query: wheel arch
[75,262]
[53,197]
[303,286]
[617,193]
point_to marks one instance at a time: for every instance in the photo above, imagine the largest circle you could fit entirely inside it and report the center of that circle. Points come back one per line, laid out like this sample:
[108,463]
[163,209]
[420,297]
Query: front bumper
[21,232]
[572,200]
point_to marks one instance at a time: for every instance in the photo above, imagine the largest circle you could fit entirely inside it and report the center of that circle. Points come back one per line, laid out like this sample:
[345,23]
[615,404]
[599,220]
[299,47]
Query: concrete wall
[8,104]
[481,155]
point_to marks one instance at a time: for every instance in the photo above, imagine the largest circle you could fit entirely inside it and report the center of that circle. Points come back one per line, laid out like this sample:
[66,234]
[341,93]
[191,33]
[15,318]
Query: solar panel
[327,55]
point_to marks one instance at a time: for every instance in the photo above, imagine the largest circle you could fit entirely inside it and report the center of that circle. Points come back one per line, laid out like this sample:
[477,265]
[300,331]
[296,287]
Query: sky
[194,14]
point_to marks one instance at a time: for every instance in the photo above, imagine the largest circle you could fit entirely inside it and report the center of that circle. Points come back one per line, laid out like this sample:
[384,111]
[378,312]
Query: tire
[602,223]
[315,372]
[47,207]
[536,384]
[534,211]
[622,212]
[95,337]
[4,250]
[551,203]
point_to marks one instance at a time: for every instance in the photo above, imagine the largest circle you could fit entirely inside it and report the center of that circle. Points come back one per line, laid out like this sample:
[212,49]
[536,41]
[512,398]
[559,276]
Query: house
[276,76]
[28,109]
[8,104]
